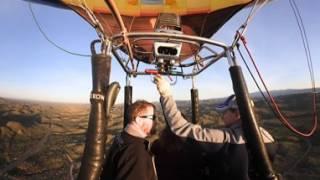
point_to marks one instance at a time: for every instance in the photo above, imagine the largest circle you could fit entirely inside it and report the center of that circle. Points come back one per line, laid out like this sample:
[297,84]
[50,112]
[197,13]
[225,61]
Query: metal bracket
[128,80]
[231,59]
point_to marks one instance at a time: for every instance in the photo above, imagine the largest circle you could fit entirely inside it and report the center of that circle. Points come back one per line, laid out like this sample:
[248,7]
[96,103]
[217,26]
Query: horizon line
[85,103]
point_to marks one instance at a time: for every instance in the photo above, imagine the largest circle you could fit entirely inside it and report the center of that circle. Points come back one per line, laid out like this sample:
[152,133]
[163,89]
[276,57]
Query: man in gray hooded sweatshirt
[225,146]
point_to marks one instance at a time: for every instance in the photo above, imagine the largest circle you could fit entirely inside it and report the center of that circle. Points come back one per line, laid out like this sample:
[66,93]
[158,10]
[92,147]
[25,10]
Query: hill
[41,140]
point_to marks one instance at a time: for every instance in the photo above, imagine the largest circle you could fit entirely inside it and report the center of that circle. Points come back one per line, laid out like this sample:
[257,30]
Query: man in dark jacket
[225,147]
[129,157]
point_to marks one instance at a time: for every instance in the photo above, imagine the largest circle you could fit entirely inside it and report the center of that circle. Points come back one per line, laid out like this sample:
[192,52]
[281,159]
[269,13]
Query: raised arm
[183,128]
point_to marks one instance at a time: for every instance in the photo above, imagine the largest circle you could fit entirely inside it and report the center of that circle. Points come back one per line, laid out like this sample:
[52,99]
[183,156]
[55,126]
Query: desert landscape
[41,140]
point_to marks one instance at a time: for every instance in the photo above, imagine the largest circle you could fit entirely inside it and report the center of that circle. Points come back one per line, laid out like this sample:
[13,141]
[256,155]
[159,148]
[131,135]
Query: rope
[283,119]
[203,24]
[294,164]
[256,83]
[117,17]
[250,16]
[97,26]
[49,40]
[304,37]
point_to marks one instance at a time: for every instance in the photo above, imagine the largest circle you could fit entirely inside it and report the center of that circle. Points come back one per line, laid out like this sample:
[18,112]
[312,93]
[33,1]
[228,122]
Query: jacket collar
[128,138]
[135,130]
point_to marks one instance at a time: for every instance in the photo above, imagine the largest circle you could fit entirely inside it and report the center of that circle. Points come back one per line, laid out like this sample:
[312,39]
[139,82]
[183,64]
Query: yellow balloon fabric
[139,8]
[198,18]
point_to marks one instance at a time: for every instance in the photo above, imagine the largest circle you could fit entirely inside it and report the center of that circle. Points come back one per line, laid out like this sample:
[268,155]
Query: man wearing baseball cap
[225,146]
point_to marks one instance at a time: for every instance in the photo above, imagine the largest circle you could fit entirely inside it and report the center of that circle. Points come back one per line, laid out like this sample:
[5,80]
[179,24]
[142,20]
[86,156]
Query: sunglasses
[152,117]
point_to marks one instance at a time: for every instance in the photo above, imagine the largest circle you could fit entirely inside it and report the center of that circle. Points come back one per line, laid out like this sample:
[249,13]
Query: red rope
[283,119]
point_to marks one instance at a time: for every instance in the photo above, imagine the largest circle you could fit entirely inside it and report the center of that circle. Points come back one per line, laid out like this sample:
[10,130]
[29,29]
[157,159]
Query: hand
[163,86]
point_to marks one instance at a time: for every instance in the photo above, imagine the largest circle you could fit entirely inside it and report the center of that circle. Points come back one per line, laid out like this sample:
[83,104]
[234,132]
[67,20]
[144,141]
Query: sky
[32,68]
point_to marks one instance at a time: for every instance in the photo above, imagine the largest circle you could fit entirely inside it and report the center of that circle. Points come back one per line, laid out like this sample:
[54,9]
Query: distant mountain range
[284,92]
[257,95]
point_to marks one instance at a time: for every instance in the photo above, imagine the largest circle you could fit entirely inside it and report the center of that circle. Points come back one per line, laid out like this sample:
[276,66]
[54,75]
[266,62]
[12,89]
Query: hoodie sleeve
[185,129]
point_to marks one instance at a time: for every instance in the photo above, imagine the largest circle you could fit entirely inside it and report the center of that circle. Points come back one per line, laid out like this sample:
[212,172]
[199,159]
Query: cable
[250,16]
[118,18]
[303,37]
[96,25]
[48,39]
[283,119]
[256,83]
[295,163]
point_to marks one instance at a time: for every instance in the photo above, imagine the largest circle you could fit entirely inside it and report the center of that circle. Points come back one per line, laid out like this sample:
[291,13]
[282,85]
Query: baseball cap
[230,102]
